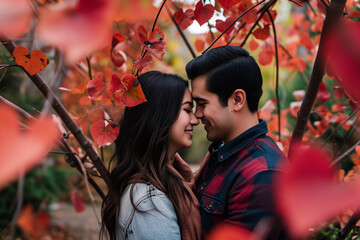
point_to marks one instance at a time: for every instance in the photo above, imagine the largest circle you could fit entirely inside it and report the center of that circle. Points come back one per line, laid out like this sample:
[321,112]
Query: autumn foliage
[94,50]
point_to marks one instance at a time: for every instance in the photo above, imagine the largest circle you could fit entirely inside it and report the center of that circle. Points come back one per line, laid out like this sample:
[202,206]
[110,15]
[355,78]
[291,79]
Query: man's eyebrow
[197,99]
[188,102]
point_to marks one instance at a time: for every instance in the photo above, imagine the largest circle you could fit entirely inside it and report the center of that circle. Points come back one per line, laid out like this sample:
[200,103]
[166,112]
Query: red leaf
[221,25]
[77,29]
[251,16]
[184,19]
[34,143]
[228,3]
[253,45]
[231,232]
[15,18]
[307,194]
[77,201]
[140,63]
[35,224]
[125,92]
[97,88]
[344,54]
[266,56]
[33,62]
[135,10]
[104,134]
[203,13]
[118,57]
[153,41]
[262,33]
[323,93]
[266,17]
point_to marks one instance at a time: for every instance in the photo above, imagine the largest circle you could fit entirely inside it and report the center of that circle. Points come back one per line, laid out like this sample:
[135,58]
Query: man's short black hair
[228,68]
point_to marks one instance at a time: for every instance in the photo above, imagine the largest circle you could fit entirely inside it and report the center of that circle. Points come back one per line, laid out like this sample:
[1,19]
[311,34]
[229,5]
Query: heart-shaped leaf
[125,92]
[228,3]
[203,13]
[221,25]
[33,62]
[102,133]
[184,19]
[97,87]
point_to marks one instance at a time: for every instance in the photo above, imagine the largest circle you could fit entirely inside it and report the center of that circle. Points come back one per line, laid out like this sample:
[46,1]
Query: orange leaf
[35,224]
[15,18]
[135,10]
[32,63]
[357,150]
[34,143]
[77,29]
[266,17]
[306,41]
[125,92]
[104,134]
[203,13]
[79,90]
[231,232]
[77,201]
[296,63]
[184,19]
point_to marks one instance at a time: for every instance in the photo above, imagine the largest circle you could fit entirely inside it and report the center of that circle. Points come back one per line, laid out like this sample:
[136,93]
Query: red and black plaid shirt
[235,184]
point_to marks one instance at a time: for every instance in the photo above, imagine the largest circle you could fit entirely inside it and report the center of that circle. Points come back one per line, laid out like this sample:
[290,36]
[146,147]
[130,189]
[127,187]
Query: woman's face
[181,131]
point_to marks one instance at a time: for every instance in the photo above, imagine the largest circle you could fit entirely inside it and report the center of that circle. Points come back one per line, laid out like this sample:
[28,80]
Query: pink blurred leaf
[15,17]
[308,194]
[78,29]
[22,150]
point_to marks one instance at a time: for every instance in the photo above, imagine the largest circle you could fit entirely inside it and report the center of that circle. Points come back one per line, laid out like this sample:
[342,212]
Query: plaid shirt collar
[221,151]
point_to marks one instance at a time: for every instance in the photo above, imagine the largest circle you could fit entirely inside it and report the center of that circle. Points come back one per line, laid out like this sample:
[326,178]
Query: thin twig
[233,37]
[296,3]
[349,226]
[88,188]
[241,15]
[277,74]
[89,67]
[182,34]
[252,28]
[345,154]
[338,127]
[19,199]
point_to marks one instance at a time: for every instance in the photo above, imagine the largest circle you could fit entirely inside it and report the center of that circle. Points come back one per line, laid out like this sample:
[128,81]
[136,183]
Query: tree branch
[333,15]
[68,121]
[62,144]
[349,226]
[182,33]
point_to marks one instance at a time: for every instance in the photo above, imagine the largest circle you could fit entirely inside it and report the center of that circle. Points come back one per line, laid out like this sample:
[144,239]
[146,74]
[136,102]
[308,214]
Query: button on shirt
[235,184]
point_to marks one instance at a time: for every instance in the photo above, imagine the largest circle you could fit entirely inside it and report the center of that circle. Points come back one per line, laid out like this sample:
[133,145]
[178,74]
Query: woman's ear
[237,100]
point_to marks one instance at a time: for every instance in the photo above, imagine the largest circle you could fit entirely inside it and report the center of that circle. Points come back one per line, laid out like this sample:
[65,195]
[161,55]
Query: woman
[148,198]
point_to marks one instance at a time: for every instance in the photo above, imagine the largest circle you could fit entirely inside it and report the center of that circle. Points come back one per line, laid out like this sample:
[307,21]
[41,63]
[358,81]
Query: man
[234,184]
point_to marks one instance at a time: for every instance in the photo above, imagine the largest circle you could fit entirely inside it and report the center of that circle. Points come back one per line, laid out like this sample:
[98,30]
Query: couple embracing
[154,194]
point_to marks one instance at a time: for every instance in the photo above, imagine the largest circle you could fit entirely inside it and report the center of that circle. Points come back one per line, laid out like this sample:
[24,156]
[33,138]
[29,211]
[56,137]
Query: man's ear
[237,100]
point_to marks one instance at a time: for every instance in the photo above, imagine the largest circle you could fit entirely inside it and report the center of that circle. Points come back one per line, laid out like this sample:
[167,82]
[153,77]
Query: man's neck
[242,123]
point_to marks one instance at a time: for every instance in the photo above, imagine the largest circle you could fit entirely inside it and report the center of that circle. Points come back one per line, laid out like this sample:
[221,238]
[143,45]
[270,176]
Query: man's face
[217,119]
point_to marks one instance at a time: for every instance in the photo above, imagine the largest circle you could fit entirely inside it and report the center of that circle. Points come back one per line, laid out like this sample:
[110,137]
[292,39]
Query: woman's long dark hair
[142,146]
